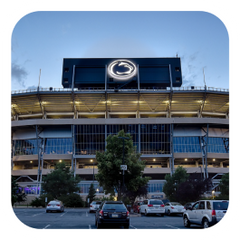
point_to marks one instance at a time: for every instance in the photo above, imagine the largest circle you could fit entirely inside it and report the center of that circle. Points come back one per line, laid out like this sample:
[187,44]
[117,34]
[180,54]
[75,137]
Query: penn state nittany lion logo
[122,69]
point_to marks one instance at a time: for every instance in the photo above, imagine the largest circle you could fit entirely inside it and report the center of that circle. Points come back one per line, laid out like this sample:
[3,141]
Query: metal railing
[97,89]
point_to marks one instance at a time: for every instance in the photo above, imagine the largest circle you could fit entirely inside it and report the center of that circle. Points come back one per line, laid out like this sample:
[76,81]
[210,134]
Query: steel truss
[204,150]
[40,146]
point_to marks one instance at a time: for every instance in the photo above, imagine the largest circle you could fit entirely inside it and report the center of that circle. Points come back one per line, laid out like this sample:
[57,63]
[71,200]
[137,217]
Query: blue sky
[40,40]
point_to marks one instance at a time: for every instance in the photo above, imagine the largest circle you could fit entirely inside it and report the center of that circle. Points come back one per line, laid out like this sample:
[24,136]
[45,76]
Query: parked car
[136,206]
[205,213]
[112,212]
[94,206]
[152,206]
[55,205]
[174,208]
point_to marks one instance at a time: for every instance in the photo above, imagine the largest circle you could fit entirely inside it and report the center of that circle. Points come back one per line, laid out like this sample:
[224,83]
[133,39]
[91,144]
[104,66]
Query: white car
[94,206]
[205,213]
[174,208]
[55,205]
[152,206]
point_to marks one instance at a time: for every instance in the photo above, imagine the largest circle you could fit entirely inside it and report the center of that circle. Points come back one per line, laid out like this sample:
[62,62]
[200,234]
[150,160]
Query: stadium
[170,125]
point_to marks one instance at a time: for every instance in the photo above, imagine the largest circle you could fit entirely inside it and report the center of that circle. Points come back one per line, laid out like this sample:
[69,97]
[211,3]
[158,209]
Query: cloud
[19,74]
[192,70]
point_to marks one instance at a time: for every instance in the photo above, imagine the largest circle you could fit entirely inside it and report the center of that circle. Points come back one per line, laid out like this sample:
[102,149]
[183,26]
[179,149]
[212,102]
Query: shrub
[72,200]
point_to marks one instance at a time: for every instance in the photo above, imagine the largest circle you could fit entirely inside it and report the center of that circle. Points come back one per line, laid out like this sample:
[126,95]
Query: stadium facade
[170,125]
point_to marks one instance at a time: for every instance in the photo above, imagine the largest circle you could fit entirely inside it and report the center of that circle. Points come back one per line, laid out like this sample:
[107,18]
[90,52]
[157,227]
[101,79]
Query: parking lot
[80,218]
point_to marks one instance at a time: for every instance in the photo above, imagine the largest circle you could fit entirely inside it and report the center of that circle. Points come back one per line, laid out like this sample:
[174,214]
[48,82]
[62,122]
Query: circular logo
[122,69]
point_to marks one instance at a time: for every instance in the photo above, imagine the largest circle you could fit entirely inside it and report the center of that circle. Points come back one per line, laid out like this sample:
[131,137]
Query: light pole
[123,160]
[92,168]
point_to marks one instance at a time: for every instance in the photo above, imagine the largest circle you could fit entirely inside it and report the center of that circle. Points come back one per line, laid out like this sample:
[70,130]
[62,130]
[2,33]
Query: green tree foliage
[91,193]
[224,187]
[172,182]
[192,189]
[72,200]
[60,182]
[181,187]
[17,194]
[109,172]
[140,192]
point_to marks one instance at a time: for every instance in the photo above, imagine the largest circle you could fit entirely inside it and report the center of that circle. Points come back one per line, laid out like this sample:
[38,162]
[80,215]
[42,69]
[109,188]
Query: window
[201,205]
[89,139]
[58,146]
[208,205]
[195,206]
[186,144]
[25,147]
[155,138]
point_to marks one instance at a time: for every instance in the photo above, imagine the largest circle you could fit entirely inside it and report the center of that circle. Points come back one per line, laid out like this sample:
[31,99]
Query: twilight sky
[40,40]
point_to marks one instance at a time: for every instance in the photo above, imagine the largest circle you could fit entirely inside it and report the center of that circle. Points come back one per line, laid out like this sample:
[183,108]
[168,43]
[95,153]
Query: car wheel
[205,223]
[47,211]
[168,213]
[162,215]
[186,222]
[146,213]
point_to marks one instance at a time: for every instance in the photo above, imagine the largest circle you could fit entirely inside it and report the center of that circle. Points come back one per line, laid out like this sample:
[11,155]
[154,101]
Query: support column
[73,162]
[172,150]
[204,150]
[40,148]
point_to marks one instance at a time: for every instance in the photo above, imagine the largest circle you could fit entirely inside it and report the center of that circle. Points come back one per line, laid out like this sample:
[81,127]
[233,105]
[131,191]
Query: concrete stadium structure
[170,125]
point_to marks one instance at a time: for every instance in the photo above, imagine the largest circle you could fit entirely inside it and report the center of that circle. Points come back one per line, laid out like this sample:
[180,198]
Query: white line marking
[133,226]
[86,214]
[47,226]
[36,214]
[171,226]
[63,214]
[89,226]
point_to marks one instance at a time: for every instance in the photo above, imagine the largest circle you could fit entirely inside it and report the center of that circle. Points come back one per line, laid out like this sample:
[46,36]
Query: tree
[224,187]
[91,193]
[192,189]
[182,187]
[173,181]
[60,182]
[110,175]
[140,192]
[17,194]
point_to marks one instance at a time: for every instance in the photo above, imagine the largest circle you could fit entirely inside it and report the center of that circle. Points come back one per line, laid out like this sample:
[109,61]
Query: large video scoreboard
[130,73]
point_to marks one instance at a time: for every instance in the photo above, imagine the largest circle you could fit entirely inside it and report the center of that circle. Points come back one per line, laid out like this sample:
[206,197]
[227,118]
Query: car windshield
[176,204]
[98,203]
[156,202]
[114,207]
[220,205]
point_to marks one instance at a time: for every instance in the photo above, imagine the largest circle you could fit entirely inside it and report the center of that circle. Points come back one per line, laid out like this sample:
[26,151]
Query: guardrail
[51,89]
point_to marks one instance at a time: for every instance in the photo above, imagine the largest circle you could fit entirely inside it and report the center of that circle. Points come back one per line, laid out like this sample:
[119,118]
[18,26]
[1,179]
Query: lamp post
[93,168]
[123,160]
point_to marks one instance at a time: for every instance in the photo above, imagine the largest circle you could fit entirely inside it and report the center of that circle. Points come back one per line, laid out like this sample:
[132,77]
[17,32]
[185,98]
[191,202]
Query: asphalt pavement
[80,218]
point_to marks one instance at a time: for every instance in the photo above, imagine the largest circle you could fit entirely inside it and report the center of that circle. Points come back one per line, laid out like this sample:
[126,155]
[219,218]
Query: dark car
[112,213]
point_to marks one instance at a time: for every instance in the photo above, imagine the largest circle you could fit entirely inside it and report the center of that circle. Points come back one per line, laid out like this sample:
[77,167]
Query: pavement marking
[89,226]
[46,226]
[36,214]
[133,226]
[86,214]
[171,226]
[63,214]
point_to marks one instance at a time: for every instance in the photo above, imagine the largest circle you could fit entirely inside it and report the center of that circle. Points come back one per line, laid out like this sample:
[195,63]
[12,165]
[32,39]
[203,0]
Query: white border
[27,6]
